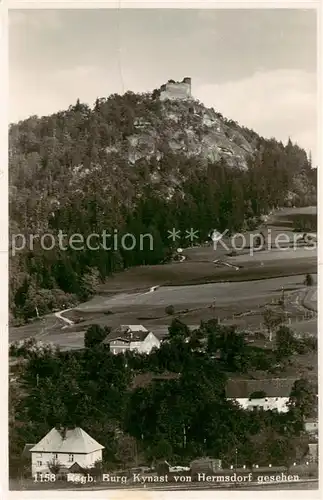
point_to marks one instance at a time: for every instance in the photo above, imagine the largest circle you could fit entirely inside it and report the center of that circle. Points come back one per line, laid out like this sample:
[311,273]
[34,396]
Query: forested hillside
[135,165]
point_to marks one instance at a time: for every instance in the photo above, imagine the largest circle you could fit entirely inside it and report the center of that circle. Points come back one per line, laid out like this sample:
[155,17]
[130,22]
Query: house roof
[127,333]
[202,460]
[145,379]
[278,387]
[75,441]
[134,328]
[75,468]
[161,331]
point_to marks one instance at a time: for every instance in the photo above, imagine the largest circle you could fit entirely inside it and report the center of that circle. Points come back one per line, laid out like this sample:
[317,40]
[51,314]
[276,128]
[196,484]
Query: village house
[311,426]
[65,448]
[205,464]
[312,455]
[266,394]
[131,338]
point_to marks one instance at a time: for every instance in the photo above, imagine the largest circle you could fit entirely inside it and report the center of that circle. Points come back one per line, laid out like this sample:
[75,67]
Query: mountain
[135,164]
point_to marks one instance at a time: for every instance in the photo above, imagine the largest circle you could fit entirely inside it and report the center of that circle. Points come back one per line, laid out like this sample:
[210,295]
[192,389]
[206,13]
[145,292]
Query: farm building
[65,448]
[131,338]
[311,426]
[268,394]
[313,452]
[206,465]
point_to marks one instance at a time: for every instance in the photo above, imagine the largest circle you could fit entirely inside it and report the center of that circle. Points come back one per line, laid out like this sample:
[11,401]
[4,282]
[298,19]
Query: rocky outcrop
[192,129]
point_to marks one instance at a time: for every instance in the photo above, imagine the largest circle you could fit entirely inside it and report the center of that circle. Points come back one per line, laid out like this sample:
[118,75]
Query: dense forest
[135,165]
[170,404]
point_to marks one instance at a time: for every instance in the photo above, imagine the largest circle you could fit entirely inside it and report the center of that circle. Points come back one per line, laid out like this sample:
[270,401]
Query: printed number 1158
[44,478]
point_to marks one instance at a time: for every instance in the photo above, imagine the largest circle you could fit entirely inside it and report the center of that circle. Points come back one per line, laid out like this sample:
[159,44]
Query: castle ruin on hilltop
[176,90]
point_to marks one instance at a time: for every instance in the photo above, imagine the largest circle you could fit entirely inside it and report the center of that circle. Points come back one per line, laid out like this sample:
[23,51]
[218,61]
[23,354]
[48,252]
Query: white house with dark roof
[267,394]
[65,448]
[131,338]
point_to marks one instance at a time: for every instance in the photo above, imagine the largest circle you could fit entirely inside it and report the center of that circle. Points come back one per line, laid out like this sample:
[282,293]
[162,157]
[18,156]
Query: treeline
[69,172]
[177,418]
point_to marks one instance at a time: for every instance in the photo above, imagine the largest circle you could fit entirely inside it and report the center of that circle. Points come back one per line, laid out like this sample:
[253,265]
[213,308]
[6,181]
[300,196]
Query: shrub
[308,280]
[300,347]
[305,223]
[94,335]
[170,310]
[29,347]
[54,466]
[310,343]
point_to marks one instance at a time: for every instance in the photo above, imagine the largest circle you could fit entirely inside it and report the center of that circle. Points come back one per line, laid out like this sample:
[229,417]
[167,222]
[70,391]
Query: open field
[267,263]
[38,328]
[289,217]
[229,300]
[198,288]
[193,295]
[296,210]
[188,272]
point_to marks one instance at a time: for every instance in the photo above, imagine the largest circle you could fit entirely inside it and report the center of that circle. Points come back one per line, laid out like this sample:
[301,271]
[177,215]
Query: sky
[255,66]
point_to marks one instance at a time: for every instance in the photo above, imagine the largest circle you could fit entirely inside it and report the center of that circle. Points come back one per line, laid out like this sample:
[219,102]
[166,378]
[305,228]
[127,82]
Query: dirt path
[66,320]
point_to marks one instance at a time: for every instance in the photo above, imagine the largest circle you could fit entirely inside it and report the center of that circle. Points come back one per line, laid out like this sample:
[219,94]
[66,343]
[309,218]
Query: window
[55,456]
[39,463]
[71,457]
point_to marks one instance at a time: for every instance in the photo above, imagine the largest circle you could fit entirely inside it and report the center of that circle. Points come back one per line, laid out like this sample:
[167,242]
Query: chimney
[62,431]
